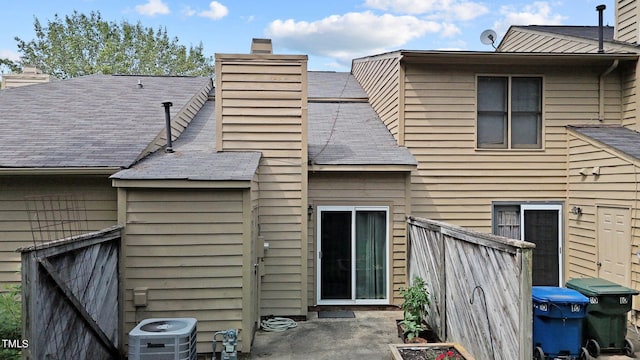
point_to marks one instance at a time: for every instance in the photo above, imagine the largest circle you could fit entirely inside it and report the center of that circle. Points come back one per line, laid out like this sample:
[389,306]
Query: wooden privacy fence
[480,287]
[70,297]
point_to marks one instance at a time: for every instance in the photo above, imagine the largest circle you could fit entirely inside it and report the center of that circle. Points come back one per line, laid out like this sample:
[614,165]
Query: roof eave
[181,184]
[362,167]
[59,170]
[512,58]
[573,130]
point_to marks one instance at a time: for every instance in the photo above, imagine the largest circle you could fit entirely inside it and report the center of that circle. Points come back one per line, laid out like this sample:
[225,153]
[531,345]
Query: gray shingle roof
[617,137]
[195,157]
[359,137]
[90,121]
[348,133]
[327,84]
[107,121]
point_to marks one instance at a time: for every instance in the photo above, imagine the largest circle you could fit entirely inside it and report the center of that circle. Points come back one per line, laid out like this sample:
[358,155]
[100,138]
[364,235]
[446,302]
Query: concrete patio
[364,337]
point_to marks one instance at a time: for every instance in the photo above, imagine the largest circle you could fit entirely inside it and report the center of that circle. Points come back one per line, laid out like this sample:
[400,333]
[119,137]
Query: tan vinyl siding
[380,79]
[617,185]
[531,41]
[626,27]
[261,105]
[457,183]
[186,246]
[100,202]
[363,189]
[629,102]
[18,80]
[528,40]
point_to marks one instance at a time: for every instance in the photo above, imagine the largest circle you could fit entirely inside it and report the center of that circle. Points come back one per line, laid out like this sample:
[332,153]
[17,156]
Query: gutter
[59,170]
[601,89]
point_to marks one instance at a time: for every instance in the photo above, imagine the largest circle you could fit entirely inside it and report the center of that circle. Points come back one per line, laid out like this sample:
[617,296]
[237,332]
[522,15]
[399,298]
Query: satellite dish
[488,37]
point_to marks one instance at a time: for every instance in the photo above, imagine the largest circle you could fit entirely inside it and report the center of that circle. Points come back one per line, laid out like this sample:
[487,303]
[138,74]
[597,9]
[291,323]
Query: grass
[10,320]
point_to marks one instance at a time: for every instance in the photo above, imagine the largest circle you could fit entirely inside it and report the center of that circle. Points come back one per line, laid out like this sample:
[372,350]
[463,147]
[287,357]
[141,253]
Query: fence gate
[70,297]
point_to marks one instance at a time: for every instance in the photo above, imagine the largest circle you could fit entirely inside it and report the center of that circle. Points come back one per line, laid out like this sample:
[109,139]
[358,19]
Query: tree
[12,66]
[79,45]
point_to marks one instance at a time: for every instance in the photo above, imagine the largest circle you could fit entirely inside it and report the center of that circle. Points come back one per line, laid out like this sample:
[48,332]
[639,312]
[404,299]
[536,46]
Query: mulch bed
[430,354]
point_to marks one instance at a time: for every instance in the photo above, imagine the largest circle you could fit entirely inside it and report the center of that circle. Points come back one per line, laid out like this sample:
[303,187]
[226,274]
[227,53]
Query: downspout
[613,66]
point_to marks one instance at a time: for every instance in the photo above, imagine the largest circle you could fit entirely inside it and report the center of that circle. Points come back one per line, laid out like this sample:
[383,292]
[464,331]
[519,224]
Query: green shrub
[416,300]
[10,320]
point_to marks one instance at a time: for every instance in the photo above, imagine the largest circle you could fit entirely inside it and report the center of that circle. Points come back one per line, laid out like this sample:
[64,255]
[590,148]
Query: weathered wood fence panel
[480,285]
[70,297]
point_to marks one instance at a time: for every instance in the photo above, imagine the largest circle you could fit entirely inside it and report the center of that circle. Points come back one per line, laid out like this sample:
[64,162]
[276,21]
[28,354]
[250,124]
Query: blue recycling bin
[558,315]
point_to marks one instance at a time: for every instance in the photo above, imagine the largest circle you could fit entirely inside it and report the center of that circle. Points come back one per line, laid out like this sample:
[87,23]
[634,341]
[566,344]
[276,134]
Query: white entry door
[614,244]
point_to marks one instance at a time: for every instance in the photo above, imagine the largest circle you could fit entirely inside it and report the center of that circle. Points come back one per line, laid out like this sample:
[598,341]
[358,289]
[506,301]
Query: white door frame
[353,300]
[558,207]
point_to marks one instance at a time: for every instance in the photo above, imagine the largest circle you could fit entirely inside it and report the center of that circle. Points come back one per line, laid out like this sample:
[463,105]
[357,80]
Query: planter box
[434,348]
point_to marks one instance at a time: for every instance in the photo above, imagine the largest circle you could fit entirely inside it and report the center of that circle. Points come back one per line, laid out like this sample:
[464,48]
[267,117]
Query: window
[509,112]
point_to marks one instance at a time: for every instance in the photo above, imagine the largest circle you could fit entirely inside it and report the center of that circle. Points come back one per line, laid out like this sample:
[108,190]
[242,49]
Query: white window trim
[353,300]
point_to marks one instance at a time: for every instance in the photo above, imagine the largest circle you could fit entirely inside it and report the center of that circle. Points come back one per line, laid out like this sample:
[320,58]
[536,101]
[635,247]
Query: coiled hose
[277,324]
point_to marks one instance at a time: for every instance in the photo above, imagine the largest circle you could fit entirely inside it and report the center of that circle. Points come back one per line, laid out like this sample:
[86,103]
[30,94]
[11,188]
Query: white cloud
[460,10]
[450,30]
[188,11]
[153,7]
[216,11]
[351,35]
[538,13]
[8,54]
[466,11]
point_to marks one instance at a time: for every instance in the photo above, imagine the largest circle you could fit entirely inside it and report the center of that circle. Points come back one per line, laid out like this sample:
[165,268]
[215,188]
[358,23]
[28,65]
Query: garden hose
[277,324]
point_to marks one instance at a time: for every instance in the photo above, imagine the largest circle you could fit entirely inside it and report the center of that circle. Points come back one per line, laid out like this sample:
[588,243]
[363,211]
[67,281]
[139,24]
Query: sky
[330,32]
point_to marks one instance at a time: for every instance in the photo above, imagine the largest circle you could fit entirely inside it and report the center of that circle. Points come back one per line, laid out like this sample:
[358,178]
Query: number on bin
[575,308]
[624,300]
[593,300]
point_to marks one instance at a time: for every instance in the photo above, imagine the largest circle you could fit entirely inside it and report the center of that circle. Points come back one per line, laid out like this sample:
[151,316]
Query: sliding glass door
[353,255]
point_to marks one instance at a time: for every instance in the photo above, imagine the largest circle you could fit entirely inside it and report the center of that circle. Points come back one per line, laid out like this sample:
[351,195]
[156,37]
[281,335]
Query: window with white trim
[509,112]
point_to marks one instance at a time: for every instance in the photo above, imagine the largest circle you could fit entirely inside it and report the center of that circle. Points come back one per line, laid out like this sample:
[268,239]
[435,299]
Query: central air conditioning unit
[163,339]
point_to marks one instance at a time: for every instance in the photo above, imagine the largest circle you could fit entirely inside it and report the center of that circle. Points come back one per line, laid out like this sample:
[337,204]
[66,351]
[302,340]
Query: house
[251,213]
[489,131]
[284,188]
[601,206]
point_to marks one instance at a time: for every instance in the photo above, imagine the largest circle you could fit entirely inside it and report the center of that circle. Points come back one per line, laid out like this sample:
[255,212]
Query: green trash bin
[605,326]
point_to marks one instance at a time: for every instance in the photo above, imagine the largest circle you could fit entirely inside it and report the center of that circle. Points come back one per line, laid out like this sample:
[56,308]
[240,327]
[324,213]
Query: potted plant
[414,308]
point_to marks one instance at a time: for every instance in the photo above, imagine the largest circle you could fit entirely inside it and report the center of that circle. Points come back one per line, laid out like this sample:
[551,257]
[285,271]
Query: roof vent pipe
[600,10]
[167,105]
